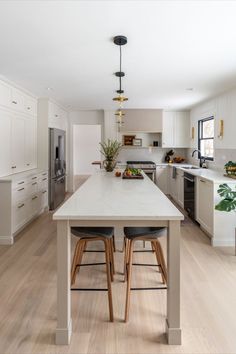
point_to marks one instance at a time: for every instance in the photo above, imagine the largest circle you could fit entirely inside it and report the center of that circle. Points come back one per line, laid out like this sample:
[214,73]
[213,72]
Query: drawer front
[33,186]
[43,184]
[18,184]
[44,199]
[20,193]
[34,203]
[20,215]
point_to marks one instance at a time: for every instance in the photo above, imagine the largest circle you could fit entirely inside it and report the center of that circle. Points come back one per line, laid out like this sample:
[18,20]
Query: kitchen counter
[210,175]
[20,175]
[105,200]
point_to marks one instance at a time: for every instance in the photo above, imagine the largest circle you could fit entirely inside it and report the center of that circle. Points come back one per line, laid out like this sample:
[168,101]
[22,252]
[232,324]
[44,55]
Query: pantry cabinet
[18,130]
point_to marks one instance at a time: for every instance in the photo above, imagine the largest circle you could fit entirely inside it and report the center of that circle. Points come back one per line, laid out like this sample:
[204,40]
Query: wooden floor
[28,299]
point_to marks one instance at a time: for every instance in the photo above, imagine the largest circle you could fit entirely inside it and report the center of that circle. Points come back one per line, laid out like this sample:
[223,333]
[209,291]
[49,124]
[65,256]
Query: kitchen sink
[191,168]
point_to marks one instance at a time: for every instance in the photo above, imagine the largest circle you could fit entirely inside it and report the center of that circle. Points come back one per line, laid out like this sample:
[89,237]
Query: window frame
[200,136]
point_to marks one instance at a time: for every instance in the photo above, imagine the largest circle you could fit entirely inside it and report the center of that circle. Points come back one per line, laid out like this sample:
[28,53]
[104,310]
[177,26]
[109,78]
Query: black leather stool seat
[132,232]
[107,232]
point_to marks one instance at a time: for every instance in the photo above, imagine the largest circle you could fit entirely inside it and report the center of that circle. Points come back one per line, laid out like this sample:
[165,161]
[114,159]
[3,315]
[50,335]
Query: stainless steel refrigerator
[57,167]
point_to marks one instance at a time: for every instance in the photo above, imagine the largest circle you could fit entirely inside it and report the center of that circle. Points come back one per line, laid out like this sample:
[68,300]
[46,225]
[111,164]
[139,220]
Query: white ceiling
[172,45]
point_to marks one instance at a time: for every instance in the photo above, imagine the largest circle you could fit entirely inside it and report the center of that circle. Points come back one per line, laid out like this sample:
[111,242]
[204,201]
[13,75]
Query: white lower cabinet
[205,204]
[24,198]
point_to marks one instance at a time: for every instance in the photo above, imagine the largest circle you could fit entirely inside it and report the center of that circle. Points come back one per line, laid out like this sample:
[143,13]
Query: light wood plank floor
[28,299]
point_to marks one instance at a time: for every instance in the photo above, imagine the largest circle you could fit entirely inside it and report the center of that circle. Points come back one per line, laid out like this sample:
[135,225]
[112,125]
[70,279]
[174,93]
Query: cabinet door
[205,204]
[30,105]
[17,100]
[142,120]
[5,143]
[17,144]
[168,129]
[20,214]
[30,144]
[181,130]
[162,178]
[5,94]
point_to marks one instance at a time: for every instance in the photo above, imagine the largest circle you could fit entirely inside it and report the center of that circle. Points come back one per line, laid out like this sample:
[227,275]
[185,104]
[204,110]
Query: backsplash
[155,155]
[221,157]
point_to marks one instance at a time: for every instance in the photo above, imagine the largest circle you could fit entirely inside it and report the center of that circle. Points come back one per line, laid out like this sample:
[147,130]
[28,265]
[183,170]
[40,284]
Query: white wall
[86,147]
[82,117]
[221,107]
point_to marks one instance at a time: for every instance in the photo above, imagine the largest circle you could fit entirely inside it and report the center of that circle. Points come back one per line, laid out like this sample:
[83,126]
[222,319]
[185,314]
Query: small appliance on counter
[57,167]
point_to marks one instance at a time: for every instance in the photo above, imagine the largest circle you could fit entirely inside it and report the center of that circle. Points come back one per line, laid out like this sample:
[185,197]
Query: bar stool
[151,234]
[91,234]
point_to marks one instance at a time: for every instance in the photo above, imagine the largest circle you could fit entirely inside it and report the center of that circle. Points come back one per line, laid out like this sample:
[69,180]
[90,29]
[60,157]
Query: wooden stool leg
[126,257]
[77,260]
[80,254]
[111,257]
[73,265]
[107,247]
[130,260]
[113,243]
[163,262]
[158,257]
[123,246]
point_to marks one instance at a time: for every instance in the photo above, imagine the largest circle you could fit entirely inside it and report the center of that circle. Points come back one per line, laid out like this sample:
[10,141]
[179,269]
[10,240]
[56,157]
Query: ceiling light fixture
[120,40]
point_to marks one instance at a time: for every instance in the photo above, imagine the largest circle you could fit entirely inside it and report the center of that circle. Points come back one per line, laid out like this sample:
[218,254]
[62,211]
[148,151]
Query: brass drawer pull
[33,184]
[44,192]
[21,206]
[34,177]
[14,102]
[21,182]
[44,179]
[21,189]
[35,197]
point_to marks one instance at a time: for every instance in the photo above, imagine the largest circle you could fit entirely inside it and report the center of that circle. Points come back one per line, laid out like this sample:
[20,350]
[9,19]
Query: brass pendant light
[120,40]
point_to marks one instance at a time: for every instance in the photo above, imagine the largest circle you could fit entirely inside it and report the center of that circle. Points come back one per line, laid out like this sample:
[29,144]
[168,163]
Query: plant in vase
[110,151]
[228,203]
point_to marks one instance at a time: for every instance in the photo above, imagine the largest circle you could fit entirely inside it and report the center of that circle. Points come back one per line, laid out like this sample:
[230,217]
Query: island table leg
[64,323]
[173,292]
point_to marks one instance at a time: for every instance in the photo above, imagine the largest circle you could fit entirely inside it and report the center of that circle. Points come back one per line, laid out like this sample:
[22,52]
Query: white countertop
[21,175]
[106,197]
[210,175]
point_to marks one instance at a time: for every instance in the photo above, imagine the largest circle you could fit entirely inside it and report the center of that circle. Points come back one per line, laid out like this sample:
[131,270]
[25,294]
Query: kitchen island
[105,200]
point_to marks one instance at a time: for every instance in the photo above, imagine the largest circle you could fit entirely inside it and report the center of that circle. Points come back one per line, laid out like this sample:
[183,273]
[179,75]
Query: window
[206,137]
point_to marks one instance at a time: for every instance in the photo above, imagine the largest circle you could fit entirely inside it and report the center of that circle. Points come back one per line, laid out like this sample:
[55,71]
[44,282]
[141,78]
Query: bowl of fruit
[132,173]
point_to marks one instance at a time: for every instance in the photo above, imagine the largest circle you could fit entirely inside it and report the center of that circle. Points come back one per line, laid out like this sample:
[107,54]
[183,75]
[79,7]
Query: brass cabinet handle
[14,102]
[35,197]
[20,206]
[34,177]
[44,179]
[201,180]
[28,107]
[13,166]
[21,189]
[21,182]
[33,184]
[27,164]
[44,192]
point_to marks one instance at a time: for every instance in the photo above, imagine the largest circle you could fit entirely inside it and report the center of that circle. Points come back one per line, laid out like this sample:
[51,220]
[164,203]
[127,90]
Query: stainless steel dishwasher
[189,194]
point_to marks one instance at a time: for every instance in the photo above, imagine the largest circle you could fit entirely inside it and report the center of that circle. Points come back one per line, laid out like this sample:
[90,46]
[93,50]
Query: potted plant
[110,151]
[228,202]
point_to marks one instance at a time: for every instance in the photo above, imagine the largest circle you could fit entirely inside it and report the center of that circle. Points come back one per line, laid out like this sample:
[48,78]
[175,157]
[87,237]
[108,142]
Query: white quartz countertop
[106,197]
[21,175]
[210,175]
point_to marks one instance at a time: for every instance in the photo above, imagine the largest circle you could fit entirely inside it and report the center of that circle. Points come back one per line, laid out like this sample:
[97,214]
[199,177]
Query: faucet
[201,158]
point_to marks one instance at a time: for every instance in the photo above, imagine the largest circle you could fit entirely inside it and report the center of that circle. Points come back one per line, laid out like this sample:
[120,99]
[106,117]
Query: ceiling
[172,46]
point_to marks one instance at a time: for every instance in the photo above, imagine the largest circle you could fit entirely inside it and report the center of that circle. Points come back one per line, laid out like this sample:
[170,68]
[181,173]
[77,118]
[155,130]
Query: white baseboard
[223,243]
[6,240]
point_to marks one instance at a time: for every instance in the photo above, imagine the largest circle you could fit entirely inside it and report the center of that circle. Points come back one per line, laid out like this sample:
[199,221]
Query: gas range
[141,164]
[149,167]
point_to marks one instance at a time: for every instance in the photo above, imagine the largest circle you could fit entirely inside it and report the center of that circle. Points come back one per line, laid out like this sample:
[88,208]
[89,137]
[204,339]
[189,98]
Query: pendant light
[120,41]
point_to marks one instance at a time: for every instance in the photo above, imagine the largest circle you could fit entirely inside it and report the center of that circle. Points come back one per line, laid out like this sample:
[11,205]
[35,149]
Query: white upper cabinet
[5,94]
[18,130]
[142,120]
[5,143]
[17,100]
[57,117]
[176,128]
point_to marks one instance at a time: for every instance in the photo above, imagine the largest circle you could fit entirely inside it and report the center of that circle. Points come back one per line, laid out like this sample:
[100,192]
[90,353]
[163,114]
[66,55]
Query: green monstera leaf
[229,202]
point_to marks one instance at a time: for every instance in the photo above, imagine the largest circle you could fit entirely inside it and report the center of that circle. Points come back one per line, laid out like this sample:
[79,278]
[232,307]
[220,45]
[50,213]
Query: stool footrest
[89,289]
[146,264]
[89,264]
[157,288]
